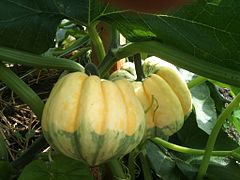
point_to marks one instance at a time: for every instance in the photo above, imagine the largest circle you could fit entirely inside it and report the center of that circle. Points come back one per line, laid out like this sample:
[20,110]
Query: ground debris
[18,124]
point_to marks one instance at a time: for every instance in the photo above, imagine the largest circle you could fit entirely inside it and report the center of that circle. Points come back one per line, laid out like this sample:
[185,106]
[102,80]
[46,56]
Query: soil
[18,124]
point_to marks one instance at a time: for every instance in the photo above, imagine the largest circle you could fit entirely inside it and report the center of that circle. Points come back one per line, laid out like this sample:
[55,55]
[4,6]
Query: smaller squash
[164,113]
[169,72]
[164,96]
[122,74]
[126,71]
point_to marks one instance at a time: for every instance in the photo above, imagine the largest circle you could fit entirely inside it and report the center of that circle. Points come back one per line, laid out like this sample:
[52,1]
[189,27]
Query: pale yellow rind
[135,112]
[146,102]
[61,110]
[173,78]
[91,116]
[115,116]
[153,63]
[168,110]
[66,104]
[119,117]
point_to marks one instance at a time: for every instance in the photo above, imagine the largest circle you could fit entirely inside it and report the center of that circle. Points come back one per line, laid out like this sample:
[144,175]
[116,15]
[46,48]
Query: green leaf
[222,171]
[36,169]
[204,107]
[236,119]
[3,147]
[161,163]
[236,152]
[192,136]
[202,37]
[5,170]
[31,25]
[221,168]
[208,31]
[60,169]
[186,168]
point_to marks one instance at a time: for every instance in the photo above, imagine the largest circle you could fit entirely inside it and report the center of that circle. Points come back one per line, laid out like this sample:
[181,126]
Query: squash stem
[97,42]
[213,136]
[117,169]
[138,66]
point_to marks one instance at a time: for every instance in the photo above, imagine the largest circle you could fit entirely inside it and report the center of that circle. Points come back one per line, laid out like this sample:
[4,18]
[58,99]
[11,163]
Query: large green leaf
[162,164]
[207,31]
[192,136]
[61,167]
[31,25]
[202,37]
[220,168]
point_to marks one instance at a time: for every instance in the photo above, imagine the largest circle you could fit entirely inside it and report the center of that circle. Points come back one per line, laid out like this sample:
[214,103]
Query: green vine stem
[160,142]
[179,58]
[28,59]
[197,81]
[26,94]
[213,136]
[117,170]
[97,42]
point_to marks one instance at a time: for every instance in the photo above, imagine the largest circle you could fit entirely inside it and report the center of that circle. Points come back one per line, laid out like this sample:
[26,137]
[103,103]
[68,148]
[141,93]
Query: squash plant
[200,36]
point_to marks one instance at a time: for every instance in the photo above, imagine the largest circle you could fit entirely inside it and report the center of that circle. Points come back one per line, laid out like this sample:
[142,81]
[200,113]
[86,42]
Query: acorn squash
[93,120]
[164,95]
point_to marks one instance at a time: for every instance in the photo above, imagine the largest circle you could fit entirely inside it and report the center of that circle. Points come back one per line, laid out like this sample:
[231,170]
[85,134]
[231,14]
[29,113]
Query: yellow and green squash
[93,120]
[164,96]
